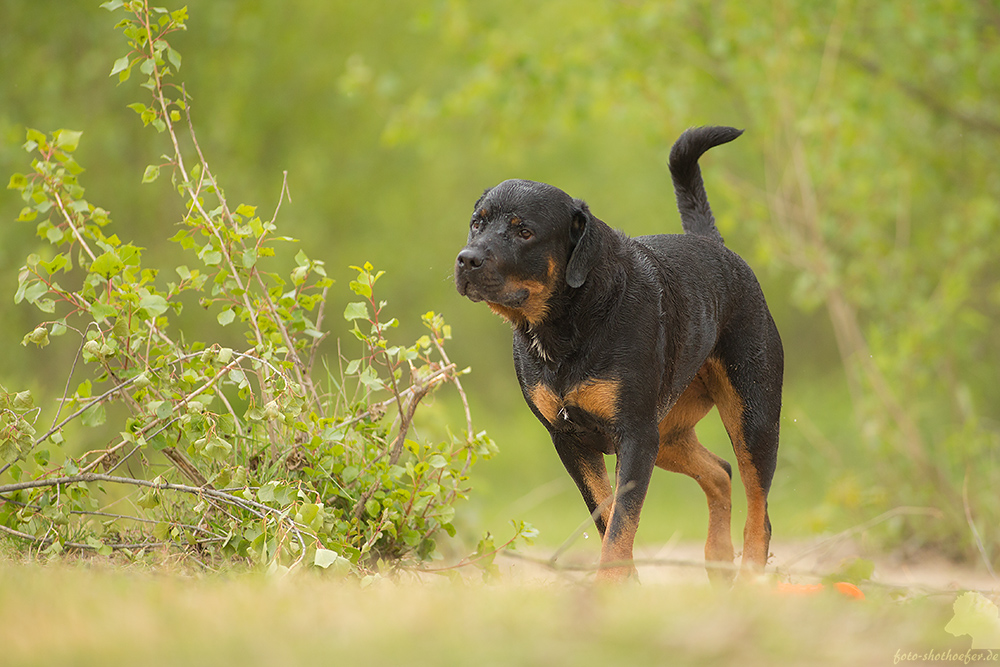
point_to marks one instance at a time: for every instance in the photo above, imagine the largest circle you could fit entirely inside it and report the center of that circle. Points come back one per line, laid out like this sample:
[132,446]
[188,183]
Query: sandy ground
[805,561]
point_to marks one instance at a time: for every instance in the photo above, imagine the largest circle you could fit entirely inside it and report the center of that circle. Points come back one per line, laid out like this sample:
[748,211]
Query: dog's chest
[577,405]
[536,345]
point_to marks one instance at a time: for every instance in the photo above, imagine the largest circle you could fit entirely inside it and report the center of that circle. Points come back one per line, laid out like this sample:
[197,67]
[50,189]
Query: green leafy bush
[251,450]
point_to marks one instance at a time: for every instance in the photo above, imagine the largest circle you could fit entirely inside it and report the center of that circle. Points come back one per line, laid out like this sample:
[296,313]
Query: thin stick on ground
[972,527]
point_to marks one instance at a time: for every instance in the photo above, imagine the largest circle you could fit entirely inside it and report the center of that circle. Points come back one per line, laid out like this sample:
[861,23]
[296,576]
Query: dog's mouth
[499,296]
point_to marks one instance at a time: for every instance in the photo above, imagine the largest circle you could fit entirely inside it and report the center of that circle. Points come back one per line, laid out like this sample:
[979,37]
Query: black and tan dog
[622,345]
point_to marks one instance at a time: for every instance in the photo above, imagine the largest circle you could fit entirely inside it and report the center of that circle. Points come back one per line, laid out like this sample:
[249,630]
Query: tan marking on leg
[598,397]
[600,490]
[681,452]
[616,554]
[756,531]
[690,408]
[684,454]
[546,401]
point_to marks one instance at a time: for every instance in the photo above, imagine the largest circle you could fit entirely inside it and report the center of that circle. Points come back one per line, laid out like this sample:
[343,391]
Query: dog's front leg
[585,464]
[636,457]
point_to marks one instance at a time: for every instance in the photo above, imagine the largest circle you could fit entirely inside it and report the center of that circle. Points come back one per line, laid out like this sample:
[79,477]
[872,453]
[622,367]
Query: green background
[864,193]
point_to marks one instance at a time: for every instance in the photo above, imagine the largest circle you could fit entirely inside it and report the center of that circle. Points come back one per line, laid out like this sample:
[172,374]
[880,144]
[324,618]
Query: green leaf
[308,513]
[121,65]
[40,337]
[211,257]
[149,499]
[174,58]
[246,211]
[68,140]
[151,174]
[35,291]
[111,5]
[102,311]
[17,182]
[370,379]
[249,258]
[226,316]
[164,410]
[9,451]
[54,236]
[331,560]
[361,289]
[27,214]
[35,136]
[85,389]
[23,400]
[357,310]
[154,304]
[325,558]
[218,449]
[95,415]
[107,265]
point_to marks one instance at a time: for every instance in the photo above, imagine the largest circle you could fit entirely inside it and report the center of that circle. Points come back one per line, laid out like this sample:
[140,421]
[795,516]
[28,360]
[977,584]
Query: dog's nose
[470,258]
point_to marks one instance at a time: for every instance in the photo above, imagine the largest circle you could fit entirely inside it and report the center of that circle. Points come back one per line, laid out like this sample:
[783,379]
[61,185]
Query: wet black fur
[646,311]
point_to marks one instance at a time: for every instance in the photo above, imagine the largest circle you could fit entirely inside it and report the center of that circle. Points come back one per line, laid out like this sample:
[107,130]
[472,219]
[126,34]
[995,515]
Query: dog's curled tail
[692,202]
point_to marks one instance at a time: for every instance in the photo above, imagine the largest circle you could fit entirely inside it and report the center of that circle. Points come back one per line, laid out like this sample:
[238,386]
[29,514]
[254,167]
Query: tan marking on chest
[597,397]
[546,401]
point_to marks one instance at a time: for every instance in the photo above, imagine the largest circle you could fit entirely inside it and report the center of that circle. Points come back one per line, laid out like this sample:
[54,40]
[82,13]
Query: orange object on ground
[849,590]
[842,587]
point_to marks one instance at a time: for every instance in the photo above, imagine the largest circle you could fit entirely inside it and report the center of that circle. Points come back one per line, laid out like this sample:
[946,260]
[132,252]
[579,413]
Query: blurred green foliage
[864,193]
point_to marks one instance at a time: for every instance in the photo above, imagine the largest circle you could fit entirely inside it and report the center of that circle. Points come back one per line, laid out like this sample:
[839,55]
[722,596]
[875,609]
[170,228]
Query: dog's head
[528,242]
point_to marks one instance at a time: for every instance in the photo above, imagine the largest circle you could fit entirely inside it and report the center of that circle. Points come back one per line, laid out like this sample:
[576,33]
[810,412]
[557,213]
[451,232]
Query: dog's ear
[584,244]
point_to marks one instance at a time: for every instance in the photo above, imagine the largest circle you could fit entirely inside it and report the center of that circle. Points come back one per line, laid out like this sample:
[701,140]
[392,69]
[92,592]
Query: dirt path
[801,561]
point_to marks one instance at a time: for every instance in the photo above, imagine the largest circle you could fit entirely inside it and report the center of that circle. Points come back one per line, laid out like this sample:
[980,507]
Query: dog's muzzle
[468,267]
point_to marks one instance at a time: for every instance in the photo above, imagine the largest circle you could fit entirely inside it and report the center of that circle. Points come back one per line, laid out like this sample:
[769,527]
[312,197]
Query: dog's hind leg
[750,410]
[681,452]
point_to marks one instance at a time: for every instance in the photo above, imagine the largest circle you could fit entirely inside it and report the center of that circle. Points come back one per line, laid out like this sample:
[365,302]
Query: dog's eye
[525,233]
[477,225]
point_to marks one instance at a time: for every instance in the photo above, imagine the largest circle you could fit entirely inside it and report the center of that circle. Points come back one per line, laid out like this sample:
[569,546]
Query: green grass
[91,615]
